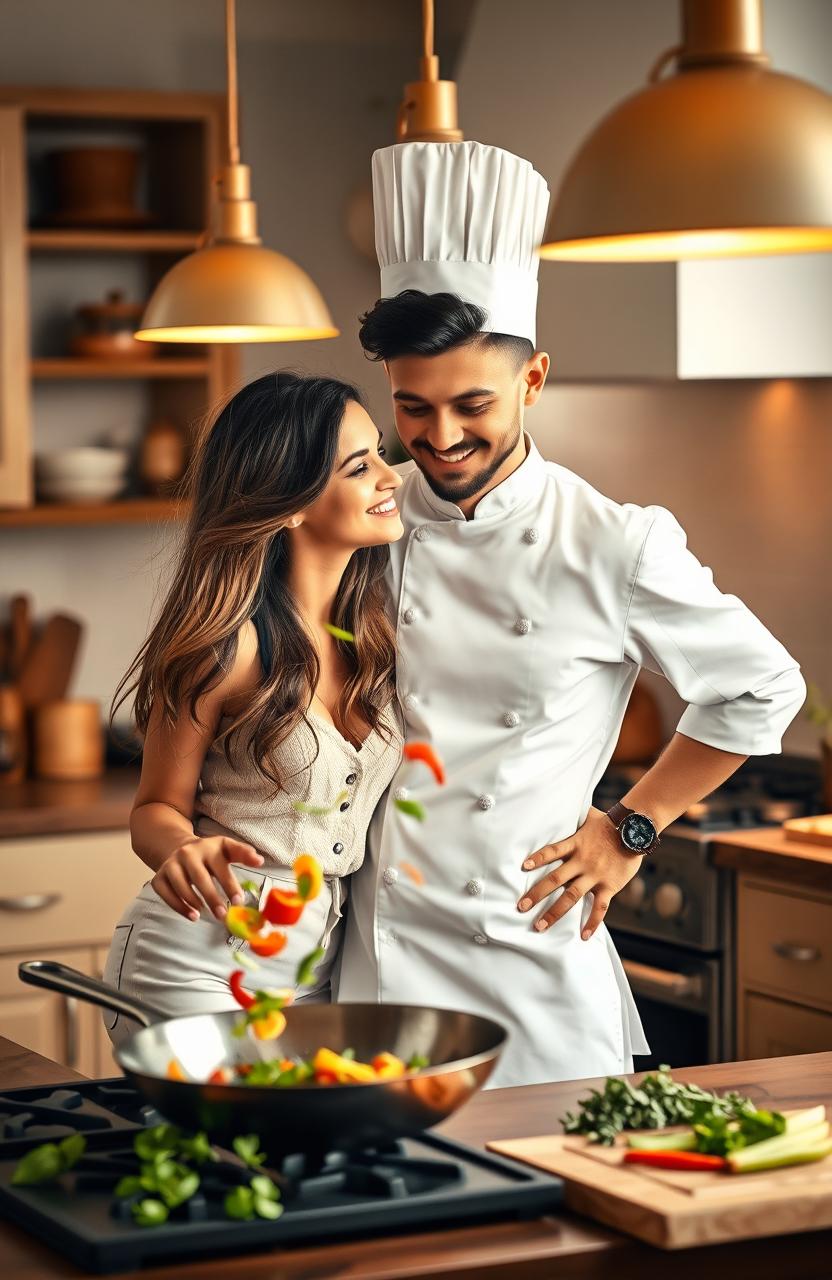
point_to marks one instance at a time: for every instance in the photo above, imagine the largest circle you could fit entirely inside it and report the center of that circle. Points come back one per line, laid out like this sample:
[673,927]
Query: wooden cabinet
[49,266]
[15,416]
[784,968]
[61,898]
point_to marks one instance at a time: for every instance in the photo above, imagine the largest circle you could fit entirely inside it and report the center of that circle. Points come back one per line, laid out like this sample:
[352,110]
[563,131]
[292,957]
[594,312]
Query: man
[526,603]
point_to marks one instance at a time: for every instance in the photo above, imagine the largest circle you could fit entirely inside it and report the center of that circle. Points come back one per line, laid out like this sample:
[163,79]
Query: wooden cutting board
[677,1210]
[817,830]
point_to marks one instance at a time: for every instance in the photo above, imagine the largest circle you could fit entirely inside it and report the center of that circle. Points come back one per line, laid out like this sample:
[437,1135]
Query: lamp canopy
[723,158]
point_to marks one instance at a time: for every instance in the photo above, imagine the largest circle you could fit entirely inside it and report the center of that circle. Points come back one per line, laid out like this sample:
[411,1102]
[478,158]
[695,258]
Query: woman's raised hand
[196,867]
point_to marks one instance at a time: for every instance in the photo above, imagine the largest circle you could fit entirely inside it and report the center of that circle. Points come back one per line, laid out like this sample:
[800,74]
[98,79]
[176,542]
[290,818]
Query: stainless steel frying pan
[462,1049]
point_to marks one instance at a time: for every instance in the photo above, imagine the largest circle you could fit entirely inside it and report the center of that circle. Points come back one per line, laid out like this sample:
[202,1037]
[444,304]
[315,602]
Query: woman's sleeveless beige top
[233,800]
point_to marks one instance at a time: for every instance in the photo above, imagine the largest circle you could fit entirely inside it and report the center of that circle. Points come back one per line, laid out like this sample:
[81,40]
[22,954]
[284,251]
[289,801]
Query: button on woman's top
[234,800]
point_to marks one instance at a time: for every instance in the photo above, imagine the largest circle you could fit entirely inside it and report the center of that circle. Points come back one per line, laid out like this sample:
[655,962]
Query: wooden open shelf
[71,368]
[120,511]
[91,241]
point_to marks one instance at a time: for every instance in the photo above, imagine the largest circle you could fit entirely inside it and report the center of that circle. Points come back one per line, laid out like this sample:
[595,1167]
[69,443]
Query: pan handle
[70,982]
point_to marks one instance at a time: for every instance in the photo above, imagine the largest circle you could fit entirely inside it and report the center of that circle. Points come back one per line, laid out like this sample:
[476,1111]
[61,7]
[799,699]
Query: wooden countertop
[39,808]
[564,1245]
[765,851]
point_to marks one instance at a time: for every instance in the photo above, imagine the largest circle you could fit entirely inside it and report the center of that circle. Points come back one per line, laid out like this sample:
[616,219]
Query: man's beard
[464,490]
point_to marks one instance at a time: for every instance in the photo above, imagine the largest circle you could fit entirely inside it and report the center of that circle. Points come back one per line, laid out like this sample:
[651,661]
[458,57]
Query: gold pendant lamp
[234,290]
[428,112]
[722,158]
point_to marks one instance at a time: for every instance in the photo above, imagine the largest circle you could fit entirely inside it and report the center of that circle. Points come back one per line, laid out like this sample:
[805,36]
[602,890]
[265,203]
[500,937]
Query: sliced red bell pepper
[222,1075]
[675,1159]
[243,998]
[283,906]
[424,751]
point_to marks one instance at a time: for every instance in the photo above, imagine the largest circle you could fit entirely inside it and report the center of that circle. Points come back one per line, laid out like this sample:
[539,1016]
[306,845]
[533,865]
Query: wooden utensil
[20,611]
[677,1210]
[12,735]
[68,739]
[47,669]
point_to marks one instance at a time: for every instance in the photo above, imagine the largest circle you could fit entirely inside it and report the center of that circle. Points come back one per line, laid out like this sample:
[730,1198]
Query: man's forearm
[686,771]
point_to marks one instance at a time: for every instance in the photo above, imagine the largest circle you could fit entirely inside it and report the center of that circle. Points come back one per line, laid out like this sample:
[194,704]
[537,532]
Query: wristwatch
[638,832]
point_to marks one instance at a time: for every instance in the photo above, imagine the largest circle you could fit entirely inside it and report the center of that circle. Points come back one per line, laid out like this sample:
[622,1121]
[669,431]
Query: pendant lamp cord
[427,28]
[231,64]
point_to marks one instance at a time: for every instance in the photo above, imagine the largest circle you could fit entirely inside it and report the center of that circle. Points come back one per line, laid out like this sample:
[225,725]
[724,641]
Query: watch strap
[618,813]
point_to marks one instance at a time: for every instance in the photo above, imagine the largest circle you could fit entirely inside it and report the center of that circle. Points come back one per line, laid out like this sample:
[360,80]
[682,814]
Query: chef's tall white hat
[463,218]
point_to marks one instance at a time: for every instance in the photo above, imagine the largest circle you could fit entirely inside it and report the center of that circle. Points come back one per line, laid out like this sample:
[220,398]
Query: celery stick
[797,1121]
[783,1144]
[683,1141]
[755,1164]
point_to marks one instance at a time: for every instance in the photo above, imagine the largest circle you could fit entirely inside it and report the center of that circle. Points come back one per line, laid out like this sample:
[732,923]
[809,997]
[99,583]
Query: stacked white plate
[85,474]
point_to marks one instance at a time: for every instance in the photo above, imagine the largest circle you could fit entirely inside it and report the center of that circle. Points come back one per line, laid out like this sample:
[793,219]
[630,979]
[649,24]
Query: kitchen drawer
[785,942]
[774,1029]
[65,890]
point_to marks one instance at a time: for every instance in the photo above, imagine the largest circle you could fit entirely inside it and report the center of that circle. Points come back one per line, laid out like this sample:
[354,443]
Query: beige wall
[745,468]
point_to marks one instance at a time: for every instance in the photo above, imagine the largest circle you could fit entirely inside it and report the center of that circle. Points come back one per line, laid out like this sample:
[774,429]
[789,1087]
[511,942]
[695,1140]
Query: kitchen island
[561,1246]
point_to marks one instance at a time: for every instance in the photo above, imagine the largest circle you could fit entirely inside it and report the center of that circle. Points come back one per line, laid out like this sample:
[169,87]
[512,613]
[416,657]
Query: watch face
[637,832]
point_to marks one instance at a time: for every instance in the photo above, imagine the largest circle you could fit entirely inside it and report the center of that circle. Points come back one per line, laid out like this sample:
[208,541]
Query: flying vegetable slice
[243,922]
[175,1072]
[339,633]
[244,999]
[412,808]
[268,944]
[309,876]
[424,751]
[282,906]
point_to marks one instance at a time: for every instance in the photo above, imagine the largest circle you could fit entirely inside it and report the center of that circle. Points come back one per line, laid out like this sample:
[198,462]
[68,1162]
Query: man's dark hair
[426,324]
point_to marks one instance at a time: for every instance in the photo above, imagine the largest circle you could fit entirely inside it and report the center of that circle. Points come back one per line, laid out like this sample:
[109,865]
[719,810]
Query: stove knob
[669,901]
[633,893]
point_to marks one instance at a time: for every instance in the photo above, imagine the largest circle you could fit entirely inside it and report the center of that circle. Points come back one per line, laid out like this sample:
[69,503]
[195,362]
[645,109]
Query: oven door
[678,997]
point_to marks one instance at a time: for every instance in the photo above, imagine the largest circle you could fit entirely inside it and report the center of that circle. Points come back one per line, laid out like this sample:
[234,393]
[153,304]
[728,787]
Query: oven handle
[651,981]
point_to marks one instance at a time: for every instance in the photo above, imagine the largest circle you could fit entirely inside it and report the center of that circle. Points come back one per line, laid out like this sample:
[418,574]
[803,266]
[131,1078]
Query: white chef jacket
[520,634]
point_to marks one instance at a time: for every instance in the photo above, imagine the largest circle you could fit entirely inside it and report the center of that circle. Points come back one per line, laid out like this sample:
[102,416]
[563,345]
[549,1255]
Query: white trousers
[182,967]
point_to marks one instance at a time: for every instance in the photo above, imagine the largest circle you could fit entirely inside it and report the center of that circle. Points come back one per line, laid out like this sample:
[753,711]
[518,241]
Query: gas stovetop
[417,1183]
[761,793]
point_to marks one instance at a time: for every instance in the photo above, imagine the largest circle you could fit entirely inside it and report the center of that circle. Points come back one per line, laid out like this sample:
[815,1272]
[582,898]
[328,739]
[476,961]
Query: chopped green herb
[247,1148]
[318,809]
[412,808]
[48,1161]
[306,968]
[657,1103]
[150,1213]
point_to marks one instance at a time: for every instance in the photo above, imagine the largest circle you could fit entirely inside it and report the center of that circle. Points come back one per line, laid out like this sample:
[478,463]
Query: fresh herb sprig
[658,1102]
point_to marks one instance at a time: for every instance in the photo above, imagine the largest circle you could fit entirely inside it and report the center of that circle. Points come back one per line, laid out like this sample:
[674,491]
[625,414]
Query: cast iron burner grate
[414,1184]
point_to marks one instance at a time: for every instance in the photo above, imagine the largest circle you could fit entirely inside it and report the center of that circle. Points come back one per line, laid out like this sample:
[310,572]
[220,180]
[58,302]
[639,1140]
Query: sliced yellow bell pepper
[309,876]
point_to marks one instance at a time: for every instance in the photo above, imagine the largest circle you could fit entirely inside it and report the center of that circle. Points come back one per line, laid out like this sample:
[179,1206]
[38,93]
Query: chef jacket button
[350,779]
[474,887]
[409,615]
[411,702]
[390,876]
[401,793]
[480,938]
[422,533]
[511,719]
[523,626]
[338,847]
[531,536]
[486,802]
[343,807]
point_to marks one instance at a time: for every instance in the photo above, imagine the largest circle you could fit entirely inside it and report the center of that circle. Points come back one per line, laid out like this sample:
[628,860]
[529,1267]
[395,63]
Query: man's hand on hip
[591,861]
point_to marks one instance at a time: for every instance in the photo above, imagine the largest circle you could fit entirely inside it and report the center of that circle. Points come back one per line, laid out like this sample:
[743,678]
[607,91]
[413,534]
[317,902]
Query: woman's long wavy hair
[269,453]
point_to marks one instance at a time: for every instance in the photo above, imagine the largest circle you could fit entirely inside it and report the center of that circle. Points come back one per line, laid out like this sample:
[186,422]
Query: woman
[252,713]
